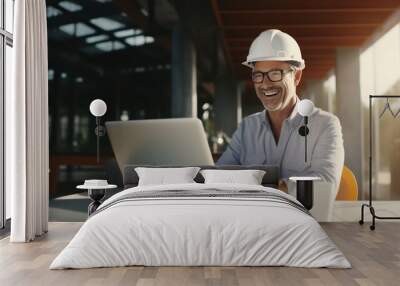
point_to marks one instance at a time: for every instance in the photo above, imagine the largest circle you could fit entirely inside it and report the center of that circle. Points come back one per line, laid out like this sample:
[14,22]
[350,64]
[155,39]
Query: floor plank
[375,257]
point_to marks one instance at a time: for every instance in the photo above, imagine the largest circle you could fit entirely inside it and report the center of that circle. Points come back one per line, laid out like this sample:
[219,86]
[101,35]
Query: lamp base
[95,195]
[305,193]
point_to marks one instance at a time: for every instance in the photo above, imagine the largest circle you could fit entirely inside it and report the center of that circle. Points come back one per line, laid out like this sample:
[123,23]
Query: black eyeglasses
[272,75]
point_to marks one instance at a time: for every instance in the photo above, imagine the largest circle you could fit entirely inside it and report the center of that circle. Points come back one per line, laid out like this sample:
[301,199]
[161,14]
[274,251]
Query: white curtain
[27,150]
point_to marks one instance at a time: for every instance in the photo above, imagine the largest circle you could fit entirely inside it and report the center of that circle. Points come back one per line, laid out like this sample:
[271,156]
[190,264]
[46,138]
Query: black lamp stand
[304,188]
[99,131]
[305,193]
[303,131]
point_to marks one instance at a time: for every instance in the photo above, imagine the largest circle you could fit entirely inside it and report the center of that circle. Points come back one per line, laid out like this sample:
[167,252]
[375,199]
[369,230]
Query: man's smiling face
[275,96]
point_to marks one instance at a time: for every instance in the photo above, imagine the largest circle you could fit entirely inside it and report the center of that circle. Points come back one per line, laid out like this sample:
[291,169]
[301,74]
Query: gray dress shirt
[253,143]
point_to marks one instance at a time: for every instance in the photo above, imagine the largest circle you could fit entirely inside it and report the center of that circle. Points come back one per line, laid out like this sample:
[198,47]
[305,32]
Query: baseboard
[351,210]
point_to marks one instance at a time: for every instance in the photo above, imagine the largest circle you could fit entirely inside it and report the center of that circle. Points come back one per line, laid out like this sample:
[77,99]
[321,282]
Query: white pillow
[162,176]
[248,177]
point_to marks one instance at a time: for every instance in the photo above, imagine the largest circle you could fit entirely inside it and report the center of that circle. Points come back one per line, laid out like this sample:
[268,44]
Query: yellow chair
[348,188]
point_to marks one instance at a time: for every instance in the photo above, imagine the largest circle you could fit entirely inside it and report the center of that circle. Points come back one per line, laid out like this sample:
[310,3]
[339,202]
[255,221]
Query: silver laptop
[177,141]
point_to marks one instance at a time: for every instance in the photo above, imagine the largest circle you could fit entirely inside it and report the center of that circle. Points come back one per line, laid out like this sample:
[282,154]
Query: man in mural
[272,137]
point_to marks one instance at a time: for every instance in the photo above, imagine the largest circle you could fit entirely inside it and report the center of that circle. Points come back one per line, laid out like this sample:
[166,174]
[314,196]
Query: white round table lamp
[305,107]
[98,108]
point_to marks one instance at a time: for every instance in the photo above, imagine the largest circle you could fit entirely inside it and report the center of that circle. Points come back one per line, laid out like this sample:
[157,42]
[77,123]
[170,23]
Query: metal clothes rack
[369,205]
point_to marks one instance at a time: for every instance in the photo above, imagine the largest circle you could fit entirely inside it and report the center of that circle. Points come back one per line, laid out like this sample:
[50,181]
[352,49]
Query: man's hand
[282,186]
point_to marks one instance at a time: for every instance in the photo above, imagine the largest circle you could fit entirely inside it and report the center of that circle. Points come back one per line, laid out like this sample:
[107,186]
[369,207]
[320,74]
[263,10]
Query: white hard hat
[274,45]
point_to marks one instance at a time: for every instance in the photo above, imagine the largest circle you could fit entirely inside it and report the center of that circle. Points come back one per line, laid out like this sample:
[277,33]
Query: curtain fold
[27,150]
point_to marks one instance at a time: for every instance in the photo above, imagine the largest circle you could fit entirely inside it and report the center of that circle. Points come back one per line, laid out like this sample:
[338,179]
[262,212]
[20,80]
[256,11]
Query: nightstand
[95,193]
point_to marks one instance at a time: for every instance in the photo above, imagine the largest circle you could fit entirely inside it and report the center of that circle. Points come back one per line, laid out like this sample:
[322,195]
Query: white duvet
[194,231]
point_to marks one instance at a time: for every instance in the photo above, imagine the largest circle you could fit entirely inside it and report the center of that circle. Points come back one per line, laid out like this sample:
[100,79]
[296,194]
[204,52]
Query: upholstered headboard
[270,179]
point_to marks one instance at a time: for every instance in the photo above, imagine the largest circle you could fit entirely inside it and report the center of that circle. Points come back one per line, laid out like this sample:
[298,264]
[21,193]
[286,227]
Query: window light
[97,38]
[127,33]
[53,12]
[110,46]
[139,40]
[77,29]
[70,6]
[50,74]
[149,40]
[106,23]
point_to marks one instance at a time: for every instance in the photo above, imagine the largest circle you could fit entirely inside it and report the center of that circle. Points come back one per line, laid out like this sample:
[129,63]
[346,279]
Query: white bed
[207,230]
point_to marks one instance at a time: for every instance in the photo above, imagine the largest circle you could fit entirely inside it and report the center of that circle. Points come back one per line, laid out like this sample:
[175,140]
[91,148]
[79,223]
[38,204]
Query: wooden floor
[375,257]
